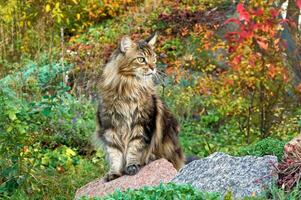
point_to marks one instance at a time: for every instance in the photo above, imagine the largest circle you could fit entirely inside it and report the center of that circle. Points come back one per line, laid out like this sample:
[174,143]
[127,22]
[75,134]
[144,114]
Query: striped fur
[133,124]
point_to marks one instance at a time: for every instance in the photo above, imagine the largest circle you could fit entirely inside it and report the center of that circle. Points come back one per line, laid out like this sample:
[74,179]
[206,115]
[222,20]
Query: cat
[133,124]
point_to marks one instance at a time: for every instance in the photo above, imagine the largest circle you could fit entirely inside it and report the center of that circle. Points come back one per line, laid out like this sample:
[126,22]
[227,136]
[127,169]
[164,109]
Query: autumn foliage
[224,70]
[253,88]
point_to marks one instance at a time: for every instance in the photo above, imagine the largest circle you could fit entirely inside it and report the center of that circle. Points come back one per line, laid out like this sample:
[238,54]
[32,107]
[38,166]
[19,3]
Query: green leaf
[9,129]
[45,160]
[46,111]
[12,115]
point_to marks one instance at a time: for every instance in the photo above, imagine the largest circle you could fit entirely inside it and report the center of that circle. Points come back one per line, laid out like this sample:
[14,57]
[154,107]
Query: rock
[150,175]
[244,176]
[293,146]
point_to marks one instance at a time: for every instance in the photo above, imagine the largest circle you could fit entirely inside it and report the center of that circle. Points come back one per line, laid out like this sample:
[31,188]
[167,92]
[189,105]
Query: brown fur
[133,123]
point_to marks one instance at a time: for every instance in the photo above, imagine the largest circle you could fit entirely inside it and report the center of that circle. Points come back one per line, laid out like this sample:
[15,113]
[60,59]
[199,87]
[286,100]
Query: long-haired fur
[133,124]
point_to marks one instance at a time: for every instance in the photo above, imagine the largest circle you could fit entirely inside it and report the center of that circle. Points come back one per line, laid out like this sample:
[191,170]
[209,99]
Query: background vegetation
[231,76]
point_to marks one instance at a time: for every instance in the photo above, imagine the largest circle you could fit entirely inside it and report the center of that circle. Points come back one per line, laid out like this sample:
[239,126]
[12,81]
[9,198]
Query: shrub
[54,184]
[254,89]
[289,169]
[268,146]
[276,192]
[43,129]
[42,22]
[169,191]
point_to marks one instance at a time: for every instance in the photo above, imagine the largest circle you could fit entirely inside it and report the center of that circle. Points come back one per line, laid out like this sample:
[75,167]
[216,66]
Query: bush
[169,191]
[53,184]
[42,21]
[268,146]
[275,192]
[44,130]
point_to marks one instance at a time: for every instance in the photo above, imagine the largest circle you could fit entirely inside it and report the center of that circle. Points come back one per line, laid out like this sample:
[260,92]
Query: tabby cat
[133,124]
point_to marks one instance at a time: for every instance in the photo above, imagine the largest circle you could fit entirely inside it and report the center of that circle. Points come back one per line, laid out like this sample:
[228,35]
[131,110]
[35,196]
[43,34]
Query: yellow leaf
[78,16]
[47,8]
[70,152]
[74,1]
[57,5]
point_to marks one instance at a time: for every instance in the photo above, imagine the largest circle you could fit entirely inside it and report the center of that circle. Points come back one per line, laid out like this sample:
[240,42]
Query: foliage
[53,184]
[202,139]
[289,172]
[253,90]
[229,84]
[168,191]
[46,23]
[39,118]
[267,146]
[274,192]
[289,168]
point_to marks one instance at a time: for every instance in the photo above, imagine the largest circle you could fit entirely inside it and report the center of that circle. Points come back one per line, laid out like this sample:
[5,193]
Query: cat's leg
[114,149]
[135,149]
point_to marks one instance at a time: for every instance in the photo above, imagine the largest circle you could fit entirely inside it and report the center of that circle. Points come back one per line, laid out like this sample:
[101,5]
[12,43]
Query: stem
[63,52]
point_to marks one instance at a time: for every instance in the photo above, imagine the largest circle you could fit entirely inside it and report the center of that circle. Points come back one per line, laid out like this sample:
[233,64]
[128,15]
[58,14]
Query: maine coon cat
[133,124]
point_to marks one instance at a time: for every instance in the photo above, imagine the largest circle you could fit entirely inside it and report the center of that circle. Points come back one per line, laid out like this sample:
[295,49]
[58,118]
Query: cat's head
[137,59]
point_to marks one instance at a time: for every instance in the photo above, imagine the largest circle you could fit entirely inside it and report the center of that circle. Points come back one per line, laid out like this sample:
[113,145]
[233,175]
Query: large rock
[244,176]
[150,175]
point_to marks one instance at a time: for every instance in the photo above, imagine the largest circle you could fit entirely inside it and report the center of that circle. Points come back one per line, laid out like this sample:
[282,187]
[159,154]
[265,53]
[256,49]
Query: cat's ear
[126,43]
[151,40]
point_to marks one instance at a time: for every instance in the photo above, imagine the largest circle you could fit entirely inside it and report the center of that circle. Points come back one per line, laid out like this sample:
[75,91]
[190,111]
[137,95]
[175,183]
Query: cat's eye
[141,60]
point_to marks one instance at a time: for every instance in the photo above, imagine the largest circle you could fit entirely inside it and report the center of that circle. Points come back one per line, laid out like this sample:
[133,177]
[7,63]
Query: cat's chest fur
[123,115]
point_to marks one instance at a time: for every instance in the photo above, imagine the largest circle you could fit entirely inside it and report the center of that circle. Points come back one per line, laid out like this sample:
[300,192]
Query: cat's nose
[152,67]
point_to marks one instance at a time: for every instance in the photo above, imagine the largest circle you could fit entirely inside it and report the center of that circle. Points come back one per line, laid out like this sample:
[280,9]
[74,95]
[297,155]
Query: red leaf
[232,36]
[272,70]
[275,12]
[298,2]
[245,34]
[262,44]
[236,60]
[243,14]
[234,20]
[258,12]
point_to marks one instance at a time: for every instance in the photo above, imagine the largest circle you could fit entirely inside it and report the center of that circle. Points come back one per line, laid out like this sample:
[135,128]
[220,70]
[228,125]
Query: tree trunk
[290,35]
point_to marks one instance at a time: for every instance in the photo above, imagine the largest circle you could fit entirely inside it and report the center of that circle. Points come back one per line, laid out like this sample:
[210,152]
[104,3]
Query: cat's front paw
[111,176]
[132,169]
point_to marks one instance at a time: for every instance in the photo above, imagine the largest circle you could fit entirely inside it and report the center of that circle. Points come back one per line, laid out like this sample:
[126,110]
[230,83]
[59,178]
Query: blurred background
[230,72]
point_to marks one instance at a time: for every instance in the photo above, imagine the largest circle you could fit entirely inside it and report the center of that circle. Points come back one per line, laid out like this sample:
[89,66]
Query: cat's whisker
[162,73]
[160,78]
